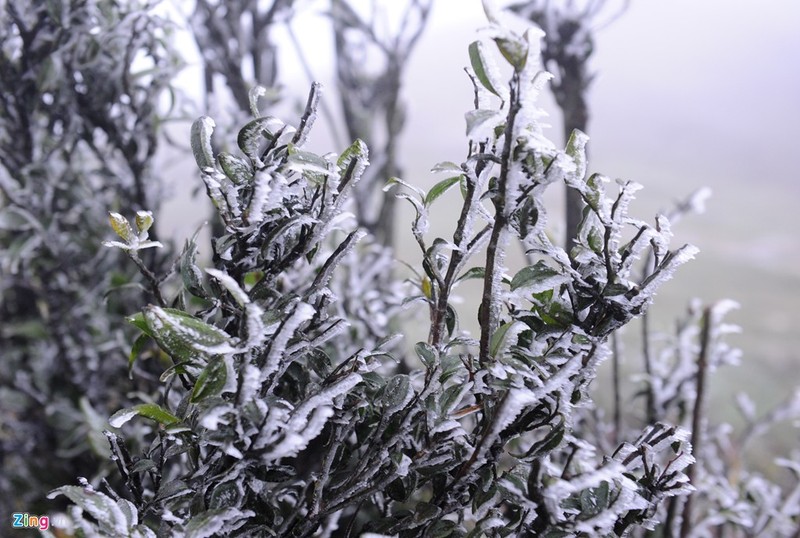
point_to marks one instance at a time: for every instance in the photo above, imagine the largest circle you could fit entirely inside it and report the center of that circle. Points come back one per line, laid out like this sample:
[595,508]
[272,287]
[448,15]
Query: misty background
[687,94]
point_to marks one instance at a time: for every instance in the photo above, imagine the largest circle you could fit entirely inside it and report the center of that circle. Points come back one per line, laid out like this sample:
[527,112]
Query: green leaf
[444,528]
[451,397]
[450,319]
[306,161]
[182,335]
[172,489]
[477,57]
[396,490]
[143,465]
[136,349]
[440,188]
[211,380]
[137,319]
[395,391]
[237,170]
[515,51]
[190,273]
[148,410]
[122,227]
[144,220]
[498,338]
[595,240]
[225,495]
[539,277]
[426,353]
[479,117]
[255,132]
[202,129]
[576,148]
[451,365]
[425,512]
[447,166]
[356,150]
[473,272]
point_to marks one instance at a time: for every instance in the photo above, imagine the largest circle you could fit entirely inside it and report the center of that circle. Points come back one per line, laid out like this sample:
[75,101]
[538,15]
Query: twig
[493,254]
[697,417]
[615,360]
[152,279]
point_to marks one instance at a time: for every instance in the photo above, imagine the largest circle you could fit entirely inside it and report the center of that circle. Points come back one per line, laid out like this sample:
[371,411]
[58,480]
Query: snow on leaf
[122,227]
[181,334]
[148,410]
[485,69]
[231,285]
[253,95]
[481,123]
[202,130]
[302,312]
[211,380]
[537,278]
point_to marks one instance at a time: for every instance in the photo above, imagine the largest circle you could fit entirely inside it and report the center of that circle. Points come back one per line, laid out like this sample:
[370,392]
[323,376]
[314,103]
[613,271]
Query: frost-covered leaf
[255,133]
[236,169]
[202,129]
[447,166]
[253,95]
[239,295]
[144,220]
[426,353]
[148,410]
[190,272]
[484,68]
[514,50]
[122,227]
[211,380]
[481,123]
[182,335]
[537,278]
[115,518]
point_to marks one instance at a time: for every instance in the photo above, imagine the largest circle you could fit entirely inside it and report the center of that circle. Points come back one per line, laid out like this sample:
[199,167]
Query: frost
[230,284]
[120,418]
[212,418]
[403,466]
[302,313]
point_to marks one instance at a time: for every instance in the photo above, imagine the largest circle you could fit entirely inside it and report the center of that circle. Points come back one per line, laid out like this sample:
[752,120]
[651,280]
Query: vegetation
[80,84]
[266,394]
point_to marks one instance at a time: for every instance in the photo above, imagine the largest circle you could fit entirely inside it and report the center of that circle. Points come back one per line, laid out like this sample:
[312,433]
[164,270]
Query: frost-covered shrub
[279,413]
[730,497]
[79,86]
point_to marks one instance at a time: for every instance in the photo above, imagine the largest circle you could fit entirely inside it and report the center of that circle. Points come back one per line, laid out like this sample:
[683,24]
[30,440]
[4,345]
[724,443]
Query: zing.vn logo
[25,521]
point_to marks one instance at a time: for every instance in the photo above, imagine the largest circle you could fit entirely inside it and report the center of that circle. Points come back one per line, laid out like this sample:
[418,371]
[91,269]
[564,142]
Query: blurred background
[686,95]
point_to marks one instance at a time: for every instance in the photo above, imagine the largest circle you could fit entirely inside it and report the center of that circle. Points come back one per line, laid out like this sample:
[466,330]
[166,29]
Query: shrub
[276,418]
[282,412]
[78,128]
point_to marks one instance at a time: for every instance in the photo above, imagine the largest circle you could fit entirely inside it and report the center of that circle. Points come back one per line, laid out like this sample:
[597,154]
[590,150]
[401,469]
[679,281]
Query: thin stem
[697,417]
[494,251]
[615,358]
[152,279]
